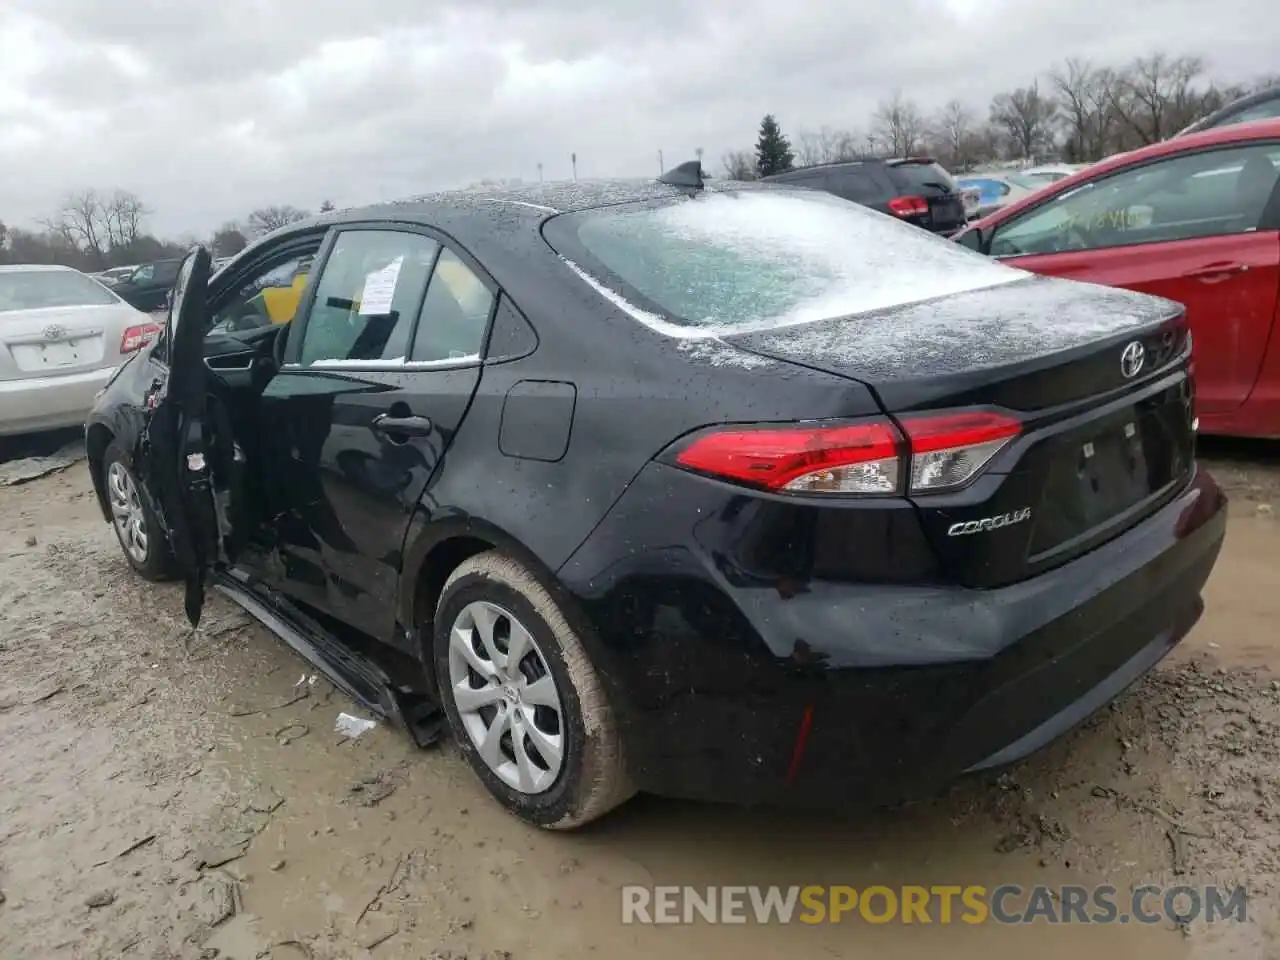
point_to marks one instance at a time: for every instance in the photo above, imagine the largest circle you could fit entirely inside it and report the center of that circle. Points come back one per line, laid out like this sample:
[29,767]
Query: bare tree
[228,240]
[898,125]
[1156,96]
[739,165]
[79,222]
[326,206]
[1074,83]
[952,130]
[827,145]
[1026,117]
[809,148]
[122,216]
[1267,81]
[265,219]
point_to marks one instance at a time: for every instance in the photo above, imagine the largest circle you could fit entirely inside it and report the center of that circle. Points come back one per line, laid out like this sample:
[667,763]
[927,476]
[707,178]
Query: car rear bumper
[848,694]
[49,403]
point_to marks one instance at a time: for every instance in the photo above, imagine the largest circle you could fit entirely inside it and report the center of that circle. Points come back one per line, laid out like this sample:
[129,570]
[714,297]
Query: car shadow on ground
[1250,451]
[37,444]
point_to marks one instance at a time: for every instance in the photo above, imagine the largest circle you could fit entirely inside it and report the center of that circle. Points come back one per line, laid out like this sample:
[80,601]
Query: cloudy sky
[208,108]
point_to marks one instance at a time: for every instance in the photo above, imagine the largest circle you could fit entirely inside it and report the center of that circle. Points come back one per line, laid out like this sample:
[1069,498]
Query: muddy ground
[165,793]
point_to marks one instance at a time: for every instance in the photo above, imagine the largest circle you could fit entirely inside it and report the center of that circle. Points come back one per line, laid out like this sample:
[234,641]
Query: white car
[1051,172]
[62,335]
[114,275]
[994,191]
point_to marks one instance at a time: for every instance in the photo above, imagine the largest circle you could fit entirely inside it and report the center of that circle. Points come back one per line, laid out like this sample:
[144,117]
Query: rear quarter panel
[636,391]
[119,416]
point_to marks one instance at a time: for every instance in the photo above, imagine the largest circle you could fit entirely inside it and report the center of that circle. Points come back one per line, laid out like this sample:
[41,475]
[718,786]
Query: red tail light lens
[949,450]
[940,452]
[850,458]
[135,338]
[909,206]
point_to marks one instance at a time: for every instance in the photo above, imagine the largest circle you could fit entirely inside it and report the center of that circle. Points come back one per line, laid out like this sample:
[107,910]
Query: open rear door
[186,448]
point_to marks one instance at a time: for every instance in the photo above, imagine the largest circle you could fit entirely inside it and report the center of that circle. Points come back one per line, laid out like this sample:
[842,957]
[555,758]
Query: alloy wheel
[126,511]
[506,697]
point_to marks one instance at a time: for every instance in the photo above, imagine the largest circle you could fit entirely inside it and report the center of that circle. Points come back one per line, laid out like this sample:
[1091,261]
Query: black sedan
[147,287]
[730,492]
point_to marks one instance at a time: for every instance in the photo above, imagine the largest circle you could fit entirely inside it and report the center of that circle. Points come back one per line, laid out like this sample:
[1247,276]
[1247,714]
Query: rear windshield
[753,259]
[913,176]
[34,289]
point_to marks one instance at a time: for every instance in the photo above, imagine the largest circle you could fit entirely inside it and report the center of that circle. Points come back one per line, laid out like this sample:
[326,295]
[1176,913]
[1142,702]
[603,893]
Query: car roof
[545,198]
[36,267]
[1240,133]
[829,165]
[484,221]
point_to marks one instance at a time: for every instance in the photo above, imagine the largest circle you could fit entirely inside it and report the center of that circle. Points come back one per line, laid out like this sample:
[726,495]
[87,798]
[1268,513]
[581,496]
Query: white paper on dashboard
[380,289]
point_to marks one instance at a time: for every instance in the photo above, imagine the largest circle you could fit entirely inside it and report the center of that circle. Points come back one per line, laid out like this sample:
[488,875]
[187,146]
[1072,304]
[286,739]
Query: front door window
[1205,194]
[367,298]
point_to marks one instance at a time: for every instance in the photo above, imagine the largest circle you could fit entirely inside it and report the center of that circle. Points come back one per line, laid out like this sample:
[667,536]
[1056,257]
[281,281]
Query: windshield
[761,258]
[38,289]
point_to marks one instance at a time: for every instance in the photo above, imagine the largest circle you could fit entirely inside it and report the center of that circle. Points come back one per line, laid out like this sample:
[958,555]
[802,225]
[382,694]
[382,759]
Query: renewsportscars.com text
[941,904]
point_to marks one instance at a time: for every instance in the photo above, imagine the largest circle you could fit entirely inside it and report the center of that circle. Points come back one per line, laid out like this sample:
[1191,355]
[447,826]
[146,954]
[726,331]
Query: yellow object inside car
[281,303]
[468,289]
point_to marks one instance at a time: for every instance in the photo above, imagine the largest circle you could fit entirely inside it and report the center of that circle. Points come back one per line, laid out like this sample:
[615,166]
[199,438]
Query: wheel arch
[433,549]
[97,438]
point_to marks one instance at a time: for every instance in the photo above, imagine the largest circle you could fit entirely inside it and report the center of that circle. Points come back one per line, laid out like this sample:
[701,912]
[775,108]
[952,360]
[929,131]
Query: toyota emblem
[54,332]
[1132,359]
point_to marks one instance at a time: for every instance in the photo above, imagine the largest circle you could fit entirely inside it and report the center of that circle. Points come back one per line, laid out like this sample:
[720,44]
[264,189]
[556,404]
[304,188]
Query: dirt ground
[169,793]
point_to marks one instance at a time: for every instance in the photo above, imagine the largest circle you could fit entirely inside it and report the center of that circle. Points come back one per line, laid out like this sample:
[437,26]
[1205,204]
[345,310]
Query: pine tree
[773,150]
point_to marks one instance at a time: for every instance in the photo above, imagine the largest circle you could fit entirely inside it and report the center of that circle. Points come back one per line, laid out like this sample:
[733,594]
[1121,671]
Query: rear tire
[142,539]
[555,758]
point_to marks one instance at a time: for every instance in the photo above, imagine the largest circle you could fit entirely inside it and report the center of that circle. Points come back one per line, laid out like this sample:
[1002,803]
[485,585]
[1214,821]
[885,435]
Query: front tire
[141,537]
[525,703]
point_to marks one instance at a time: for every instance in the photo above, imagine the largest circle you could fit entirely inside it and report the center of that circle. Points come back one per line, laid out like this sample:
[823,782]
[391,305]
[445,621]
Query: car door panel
[360,426]
[353,484]
[1229,285]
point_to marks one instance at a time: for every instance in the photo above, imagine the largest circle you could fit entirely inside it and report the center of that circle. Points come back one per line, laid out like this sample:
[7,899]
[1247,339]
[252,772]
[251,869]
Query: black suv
[147,288]
[914,189]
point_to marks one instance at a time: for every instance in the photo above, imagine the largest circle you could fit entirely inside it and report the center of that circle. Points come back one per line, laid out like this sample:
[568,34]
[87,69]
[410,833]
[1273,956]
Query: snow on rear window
[41,289]
[727,262]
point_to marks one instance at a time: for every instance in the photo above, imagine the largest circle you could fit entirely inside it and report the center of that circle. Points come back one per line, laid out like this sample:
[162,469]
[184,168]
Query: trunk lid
[62,340]
[1105,440]
[926,179]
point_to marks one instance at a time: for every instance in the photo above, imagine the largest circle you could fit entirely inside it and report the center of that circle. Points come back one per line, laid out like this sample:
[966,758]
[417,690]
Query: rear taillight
[938,452]
[909,206]
[949,450]
[135,338]
[845,458]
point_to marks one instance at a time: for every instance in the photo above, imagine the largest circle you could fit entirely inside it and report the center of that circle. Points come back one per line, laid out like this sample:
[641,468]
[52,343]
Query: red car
[1195,219]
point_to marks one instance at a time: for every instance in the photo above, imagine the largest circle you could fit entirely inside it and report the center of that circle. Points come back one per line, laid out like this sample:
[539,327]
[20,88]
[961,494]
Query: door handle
[402,426]
[1218,271]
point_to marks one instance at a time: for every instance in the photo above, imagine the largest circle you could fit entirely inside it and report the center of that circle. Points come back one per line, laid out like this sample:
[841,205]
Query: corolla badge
[987,524]
[1132,359]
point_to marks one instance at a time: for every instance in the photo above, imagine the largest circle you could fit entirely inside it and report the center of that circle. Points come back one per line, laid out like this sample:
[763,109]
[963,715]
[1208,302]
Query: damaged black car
[723,491]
